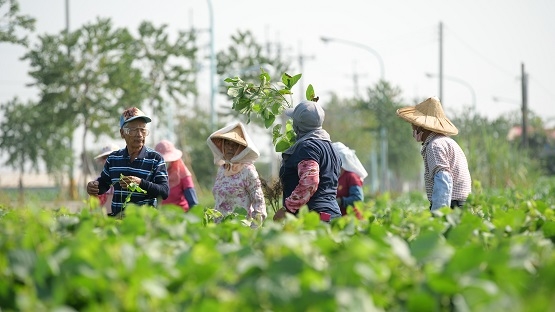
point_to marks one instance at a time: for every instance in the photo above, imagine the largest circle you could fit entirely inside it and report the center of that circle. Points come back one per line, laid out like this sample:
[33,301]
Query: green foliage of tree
[168,66]
[85,79]
[493,160]
[17,138]
[346,122]
[193,132]
[403,155]
[12,23]
[17,134]
[244,57]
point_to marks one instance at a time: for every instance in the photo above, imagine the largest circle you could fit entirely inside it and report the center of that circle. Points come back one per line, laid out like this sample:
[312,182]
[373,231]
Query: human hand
[92,188]
[126,181]
[280,214]
[256,220]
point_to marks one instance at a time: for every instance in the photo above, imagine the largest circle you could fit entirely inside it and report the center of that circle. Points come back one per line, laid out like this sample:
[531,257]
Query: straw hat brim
[235,135]
[107,150]
[102,155]
[172,156]
[430,116]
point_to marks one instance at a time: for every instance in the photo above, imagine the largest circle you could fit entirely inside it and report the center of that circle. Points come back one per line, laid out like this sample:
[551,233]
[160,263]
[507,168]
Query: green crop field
[495,255]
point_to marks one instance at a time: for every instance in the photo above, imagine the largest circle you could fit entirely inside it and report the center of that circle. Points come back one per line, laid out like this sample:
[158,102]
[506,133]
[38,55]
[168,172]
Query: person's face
[230,148]
[414,127]
[419,134]
[134,133]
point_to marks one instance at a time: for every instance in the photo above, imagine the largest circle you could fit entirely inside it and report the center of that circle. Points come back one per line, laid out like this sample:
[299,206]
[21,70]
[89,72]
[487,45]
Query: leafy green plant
[496,254]
[267,101]
[132,187]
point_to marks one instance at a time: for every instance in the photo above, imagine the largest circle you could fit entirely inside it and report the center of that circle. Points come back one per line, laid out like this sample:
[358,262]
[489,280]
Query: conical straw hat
[235,135]
[428,115]
[168,151]
[107,150]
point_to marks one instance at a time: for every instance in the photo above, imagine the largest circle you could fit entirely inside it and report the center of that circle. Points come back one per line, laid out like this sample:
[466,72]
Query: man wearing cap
[446,174]
[310,168]
[137,163]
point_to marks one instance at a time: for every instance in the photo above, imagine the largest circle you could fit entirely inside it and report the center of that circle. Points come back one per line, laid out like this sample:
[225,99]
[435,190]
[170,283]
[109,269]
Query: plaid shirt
[441,152]
[149,166]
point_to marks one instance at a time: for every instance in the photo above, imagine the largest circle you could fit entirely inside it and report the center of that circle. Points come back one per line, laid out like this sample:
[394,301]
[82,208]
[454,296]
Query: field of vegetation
[495,255]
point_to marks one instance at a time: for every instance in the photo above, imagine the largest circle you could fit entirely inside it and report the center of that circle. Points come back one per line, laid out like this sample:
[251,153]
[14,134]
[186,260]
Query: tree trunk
[21,196]
[72,187]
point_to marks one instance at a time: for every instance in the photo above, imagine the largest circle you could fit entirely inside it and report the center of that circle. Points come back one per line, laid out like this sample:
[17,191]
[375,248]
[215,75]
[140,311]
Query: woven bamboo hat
[428,115]
[235,135]
[107,150]
[168,151]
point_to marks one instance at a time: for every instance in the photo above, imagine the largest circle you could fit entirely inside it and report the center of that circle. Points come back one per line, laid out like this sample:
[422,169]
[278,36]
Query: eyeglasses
[136,131]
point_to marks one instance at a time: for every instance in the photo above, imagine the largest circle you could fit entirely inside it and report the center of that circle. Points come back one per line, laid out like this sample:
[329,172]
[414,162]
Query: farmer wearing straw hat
[134,164]
[237,183]
[182,188]
[446,174]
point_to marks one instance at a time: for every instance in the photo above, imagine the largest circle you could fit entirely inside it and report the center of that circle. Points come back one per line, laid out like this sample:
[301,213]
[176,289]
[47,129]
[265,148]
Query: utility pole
[213,116]
[382,130]
[355,84]
[524,80]
[441,64]
[72,186]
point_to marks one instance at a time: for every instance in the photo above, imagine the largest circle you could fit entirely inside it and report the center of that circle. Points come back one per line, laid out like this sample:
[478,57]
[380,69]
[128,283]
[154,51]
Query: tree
[402,152]
[493,160]
[87,87]
[348,123]
[245,57]
[194,131]
[12,22]
[355,127]
[17,139]
[29,136]
[168,67]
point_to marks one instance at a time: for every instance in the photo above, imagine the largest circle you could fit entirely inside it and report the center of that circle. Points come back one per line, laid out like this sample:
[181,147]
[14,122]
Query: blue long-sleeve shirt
[149,166]
[443,188]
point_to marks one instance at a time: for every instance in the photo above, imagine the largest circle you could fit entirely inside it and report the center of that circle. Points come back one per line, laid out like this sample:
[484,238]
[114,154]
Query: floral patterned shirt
[240,190]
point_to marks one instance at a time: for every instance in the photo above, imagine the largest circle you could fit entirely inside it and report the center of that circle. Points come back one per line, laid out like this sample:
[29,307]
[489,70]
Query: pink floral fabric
[240,190]
[309,178]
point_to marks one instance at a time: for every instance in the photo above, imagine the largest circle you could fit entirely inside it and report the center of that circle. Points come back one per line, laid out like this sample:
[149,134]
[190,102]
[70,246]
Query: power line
[493,64]
[486,59]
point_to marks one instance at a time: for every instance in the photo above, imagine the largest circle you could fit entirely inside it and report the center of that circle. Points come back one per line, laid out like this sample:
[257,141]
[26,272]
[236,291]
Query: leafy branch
[267,101]
[132,187]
